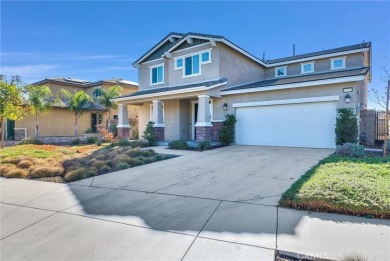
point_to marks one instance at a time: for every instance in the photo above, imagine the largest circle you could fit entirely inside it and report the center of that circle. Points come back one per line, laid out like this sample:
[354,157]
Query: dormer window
[307,67]
[281,71]
[337,63]
[157,74]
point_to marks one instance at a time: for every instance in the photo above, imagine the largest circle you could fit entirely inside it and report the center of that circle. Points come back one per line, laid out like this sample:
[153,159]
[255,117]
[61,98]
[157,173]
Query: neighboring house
[60,121]
[189,82]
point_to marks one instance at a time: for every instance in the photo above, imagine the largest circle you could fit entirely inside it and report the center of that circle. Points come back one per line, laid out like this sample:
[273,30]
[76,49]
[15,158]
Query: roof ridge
[325,51]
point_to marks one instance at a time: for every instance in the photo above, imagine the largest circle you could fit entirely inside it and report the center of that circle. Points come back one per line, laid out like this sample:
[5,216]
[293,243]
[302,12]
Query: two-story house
[60,121]
[189,82]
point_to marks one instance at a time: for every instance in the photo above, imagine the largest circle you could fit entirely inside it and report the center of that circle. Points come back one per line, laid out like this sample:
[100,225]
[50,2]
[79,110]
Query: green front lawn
[344,185]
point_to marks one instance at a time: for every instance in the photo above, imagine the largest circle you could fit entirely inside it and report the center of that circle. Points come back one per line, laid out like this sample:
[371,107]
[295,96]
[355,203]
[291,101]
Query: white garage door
[292,125]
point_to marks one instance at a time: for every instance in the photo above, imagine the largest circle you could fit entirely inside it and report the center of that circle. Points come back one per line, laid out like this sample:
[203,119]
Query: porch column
[203,126]
[123,122]
[159,126]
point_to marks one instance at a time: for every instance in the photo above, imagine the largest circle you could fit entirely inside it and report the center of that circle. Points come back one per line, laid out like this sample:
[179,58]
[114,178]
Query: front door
[93,122]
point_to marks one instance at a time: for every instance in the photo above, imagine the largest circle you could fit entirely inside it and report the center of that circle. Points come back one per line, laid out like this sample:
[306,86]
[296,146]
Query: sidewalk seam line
[201,230]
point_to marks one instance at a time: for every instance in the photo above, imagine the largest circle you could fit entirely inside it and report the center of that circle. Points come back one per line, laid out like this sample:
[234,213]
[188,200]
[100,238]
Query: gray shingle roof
[329,51]
[82,83]
[302,78]
[166,89]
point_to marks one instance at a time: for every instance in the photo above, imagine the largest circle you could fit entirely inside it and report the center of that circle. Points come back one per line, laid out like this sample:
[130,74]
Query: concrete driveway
[214,205]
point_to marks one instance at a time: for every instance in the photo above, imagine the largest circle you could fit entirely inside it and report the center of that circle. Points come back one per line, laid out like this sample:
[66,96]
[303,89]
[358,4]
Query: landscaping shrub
[81,173]
[124,143]
[91,140]
[346,126]
[178,145]
[134,153]
[121,166]
[6,168]
[17,173]
[76,141]
[159,157]
[14,161]
[88,131]
[104,169]
[226,134]
[107,135]
[25,164]
[30,141]
[45,171]
[137,144]
[150,135]
[99,142]
[114,130]
[351,150]
[204,145]
[98,164]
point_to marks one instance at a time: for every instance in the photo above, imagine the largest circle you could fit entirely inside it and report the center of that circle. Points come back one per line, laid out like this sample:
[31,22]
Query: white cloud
[29,70]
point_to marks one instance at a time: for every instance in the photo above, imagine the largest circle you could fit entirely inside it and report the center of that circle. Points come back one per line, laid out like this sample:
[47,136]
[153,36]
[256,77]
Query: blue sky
[100,40]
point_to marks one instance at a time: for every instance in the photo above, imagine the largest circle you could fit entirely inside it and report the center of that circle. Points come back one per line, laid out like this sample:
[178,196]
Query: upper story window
[97,93]
[191,64]
[206,57]
[337,63]
[157,74]
[281,71]
[307,67]
[178,63]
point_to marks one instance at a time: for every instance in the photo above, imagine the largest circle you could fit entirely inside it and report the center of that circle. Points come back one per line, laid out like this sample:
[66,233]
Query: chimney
[293,49]
[263,56]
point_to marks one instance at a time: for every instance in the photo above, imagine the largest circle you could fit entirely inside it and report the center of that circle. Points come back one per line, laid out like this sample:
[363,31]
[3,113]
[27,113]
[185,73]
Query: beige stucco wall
[320,65]
[296,93]
[238,68]
[57,122]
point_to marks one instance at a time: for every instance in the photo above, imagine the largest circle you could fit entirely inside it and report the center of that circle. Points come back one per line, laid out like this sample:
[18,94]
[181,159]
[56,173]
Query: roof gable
[158,49]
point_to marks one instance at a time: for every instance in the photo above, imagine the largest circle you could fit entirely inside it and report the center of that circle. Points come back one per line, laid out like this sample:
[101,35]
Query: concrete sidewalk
[214,205]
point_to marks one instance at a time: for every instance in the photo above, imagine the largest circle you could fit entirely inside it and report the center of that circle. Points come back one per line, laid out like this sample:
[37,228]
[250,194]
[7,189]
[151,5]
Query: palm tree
[105,99]
[40,100]
[77,102]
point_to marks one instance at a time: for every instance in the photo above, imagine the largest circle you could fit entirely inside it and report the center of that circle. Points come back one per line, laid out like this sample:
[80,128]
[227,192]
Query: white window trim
[206,51]
[285,70]
[175,62]
[200,62]
[151,75]
[303,65]
[184,66]
[343,58]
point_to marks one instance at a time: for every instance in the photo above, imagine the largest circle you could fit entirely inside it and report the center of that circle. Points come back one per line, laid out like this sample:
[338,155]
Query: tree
[383,100]
[77,102]
[346,126]
[40,100]
[149,134]
[11,102]
[106,99]
[226,134]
